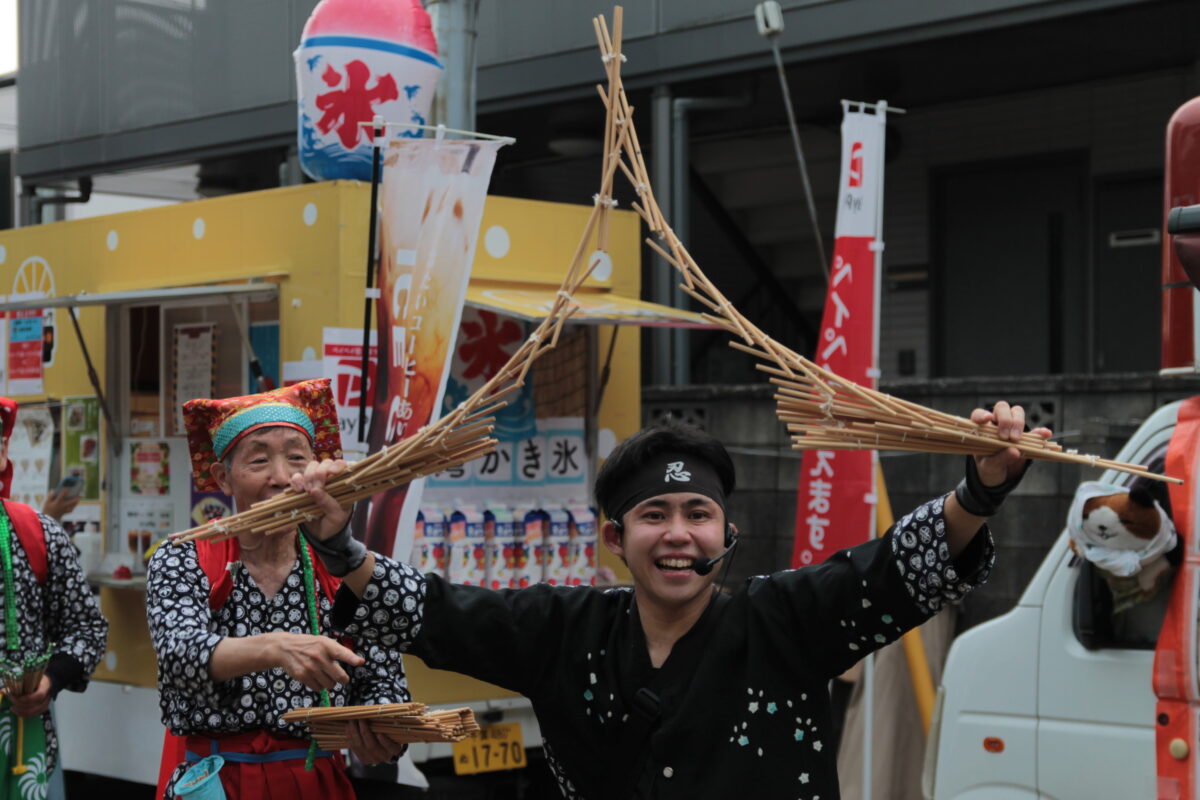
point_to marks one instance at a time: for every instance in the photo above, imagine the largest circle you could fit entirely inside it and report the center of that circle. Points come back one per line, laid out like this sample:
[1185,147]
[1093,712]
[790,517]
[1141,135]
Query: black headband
[666,473]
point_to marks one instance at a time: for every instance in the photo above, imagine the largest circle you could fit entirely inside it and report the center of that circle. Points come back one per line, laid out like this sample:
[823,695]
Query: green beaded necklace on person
[310,594]
[12,630]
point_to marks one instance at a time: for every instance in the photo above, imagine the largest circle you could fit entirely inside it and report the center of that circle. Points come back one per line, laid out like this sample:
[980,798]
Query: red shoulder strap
[215,558]
[327,583]
[28,529]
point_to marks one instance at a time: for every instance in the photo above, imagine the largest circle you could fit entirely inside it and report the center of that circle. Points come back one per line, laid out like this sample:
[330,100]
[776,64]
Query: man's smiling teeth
[674,563]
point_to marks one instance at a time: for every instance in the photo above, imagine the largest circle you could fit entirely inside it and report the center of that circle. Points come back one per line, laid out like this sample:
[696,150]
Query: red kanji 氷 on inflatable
[354,103]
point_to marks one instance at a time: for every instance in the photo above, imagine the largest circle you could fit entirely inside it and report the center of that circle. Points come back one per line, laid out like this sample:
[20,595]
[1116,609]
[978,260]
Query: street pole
[664,273]
[455,24]
[770,24]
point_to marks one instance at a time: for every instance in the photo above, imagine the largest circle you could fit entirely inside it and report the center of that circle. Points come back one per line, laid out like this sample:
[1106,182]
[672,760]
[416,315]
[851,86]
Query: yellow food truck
[112,322]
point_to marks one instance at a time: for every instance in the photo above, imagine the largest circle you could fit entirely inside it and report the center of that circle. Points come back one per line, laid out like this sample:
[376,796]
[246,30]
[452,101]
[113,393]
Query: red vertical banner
[834,502]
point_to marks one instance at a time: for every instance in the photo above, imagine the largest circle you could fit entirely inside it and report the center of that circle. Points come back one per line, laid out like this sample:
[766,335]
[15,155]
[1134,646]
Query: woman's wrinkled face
[262,464]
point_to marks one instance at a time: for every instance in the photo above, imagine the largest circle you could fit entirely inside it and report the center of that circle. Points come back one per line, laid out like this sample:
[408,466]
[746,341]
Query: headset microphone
[703,566]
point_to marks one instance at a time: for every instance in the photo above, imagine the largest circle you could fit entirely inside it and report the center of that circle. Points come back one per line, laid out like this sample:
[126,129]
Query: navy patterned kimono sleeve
[865,597]
[73,619]
[390,610]
[380,679]
[182,629]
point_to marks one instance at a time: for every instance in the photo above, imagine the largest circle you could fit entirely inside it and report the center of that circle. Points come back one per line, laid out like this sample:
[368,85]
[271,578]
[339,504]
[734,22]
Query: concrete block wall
[1088,413]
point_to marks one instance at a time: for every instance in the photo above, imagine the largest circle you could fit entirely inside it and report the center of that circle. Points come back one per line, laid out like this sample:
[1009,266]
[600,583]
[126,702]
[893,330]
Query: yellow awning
[595,307]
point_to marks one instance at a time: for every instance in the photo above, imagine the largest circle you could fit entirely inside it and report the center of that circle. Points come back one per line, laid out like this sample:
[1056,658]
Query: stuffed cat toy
[1127,535]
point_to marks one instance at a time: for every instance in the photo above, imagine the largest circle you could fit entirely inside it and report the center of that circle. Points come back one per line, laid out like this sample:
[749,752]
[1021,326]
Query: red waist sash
[267,779]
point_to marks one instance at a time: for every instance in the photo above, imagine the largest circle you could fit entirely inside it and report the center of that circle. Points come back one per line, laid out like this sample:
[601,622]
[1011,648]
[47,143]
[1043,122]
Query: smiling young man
[243,628]
[673,689]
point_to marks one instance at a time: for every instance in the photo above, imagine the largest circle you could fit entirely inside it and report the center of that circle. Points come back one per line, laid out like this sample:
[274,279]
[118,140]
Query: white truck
[1049,700]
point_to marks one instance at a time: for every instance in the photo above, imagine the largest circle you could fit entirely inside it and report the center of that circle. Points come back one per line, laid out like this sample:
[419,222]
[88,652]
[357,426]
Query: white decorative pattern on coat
[923,558]
[63,611]
[185,632]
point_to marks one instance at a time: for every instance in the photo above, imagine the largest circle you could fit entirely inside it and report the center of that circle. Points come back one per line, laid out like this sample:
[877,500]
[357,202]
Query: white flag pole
[881,110]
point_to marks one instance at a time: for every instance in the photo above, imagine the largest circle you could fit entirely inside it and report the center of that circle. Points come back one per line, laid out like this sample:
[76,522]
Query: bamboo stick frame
[821,409]
[464,434]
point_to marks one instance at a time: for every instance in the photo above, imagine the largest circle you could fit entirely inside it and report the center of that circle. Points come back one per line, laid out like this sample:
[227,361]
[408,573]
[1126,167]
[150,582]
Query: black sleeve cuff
[345,603]
[975,557]
[65,672]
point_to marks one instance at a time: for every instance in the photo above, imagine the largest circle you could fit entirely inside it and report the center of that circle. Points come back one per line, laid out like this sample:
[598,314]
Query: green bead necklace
[310,593]
[12,631]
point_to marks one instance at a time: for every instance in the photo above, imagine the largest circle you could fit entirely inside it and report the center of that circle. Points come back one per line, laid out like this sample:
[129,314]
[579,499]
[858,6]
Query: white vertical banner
[860,195]
[432,199]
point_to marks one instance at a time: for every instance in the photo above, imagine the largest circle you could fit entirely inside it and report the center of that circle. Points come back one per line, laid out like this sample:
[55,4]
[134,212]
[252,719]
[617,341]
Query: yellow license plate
[495,747]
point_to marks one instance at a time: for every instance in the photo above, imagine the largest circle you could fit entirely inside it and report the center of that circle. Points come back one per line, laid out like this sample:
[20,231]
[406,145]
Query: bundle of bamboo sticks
[460,436]
[403,723]
[822,410]
[20,678]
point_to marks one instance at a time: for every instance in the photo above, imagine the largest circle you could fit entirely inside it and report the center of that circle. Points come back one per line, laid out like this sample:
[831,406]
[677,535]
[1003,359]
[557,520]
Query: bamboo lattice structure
[403,723]
[460,436]
[821,409]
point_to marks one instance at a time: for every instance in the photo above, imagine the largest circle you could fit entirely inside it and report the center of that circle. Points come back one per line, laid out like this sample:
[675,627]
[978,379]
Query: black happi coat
[741,704]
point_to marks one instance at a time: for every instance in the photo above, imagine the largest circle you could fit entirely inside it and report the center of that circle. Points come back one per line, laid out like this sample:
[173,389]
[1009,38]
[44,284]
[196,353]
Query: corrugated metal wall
[1120,124]
[102,67]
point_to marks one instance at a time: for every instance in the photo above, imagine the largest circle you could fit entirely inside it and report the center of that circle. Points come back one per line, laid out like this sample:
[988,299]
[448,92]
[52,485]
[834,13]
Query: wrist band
[341,553]
[979,499]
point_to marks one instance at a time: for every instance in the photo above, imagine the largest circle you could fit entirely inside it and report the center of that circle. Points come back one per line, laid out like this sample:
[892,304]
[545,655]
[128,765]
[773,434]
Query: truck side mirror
[1183,225]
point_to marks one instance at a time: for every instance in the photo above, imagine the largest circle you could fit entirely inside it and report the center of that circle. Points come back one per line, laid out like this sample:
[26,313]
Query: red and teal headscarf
[215,426]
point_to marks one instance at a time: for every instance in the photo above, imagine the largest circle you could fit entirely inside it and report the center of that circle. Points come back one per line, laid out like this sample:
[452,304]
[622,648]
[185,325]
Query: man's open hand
[997,468]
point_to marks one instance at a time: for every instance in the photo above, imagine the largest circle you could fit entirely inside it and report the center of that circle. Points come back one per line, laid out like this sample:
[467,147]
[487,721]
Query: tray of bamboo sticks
[403,723]
[821,410]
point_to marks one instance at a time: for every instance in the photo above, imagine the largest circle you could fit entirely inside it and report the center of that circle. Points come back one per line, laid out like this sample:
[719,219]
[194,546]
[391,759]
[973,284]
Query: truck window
[1136,628]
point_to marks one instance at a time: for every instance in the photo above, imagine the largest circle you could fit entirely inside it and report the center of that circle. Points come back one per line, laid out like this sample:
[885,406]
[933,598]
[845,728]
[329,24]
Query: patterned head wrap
[215,426]
[666,473]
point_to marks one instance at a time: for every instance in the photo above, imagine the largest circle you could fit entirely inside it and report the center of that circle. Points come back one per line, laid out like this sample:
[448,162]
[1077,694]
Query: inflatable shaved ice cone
[358,59]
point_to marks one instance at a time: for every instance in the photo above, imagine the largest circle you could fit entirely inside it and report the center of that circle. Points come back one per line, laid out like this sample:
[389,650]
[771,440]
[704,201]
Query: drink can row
[498,547]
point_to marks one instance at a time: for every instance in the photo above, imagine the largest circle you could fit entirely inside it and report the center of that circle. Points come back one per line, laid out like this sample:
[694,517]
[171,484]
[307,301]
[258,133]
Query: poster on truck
[25,352]
[81,443]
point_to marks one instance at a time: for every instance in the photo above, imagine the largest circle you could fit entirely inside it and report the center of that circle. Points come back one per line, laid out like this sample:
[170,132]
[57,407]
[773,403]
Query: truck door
[1095,700]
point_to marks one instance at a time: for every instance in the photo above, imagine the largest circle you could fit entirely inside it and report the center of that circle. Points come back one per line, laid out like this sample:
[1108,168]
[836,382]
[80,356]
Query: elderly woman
[244,628]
